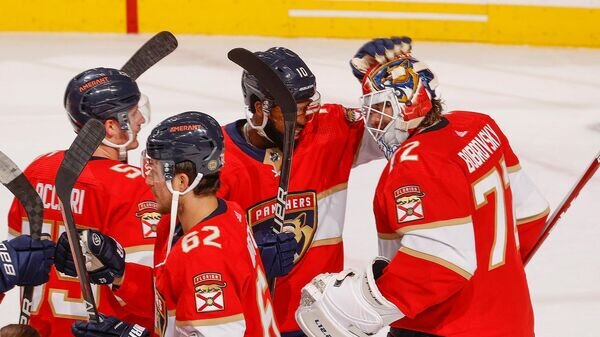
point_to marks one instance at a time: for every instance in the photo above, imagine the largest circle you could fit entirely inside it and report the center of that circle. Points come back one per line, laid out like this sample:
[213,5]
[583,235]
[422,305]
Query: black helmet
[296,75]
[100,93]
[189,136]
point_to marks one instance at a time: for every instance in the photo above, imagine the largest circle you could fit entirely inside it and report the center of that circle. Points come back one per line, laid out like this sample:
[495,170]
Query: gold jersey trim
[211,321]
[534,217]
[437,260]
[389,236]
[324,194]
[140,248]
[326,242]
[513,169]
[436,224]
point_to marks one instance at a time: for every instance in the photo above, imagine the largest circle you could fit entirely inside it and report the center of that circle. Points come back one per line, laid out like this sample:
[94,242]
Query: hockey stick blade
[21,188]
[564,206]
[16,182]
[154,50]
[76,157]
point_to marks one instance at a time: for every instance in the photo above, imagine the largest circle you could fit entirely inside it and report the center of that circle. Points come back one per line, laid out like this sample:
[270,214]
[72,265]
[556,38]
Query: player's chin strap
[122,148]
[174,203]
[266,107]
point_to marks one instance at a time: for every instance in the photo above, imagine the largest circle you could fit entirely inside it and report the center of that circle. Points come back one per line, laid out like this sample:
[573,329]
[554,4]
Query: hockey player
[209,279]
[109,196]
[455,213]
[24,262]
[328,143]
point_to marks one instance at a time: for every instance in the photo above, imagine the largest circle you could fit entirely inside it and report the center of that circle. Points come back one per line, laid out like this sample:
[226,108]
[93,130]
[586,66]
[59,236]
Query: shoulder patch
[149,217]
[209,294]
[409,206]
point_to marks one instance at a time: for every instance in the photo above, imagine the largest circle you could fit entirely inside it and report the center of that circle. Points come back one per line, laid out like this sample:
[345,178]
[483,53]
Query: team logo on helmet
[149,217]
[409,206]
[209,292]
[300,214]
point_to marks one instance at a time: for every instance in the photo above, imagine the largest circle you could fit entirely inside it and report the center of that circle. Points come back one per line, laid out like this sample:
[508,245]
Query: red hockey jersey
[111,197]
[450,196]
[316,204]
[212,282]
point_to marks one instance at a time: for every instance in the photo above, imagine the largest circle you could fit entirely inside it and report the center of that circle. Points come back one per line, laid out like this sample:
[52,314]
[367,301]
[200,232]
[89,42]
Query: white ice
[545,99]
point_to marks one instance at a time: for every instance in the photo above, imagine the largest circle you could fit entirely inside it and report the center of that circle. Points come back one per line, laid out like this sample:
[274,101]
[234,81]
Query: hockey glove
[108,327]
[104,257]
[346,304]
[25,261]
[277,251]
[379,51]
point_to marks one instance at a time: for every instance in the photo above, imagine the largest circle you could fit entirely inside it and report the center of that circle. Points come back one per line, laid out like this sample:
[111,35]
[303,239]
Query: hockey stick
[21,188]
[76,157]
[154,50]
[564,206]
[271,81]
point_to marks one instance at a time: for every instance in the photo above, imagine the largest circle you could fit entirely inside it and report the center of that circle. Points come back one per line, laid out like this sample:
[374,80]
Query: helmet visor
[144,110]
[155,170]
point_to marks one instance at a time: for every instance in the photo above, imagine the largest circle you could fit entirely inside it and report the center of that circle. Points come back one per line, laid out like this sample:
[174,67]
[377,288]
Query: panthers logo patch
[300,214]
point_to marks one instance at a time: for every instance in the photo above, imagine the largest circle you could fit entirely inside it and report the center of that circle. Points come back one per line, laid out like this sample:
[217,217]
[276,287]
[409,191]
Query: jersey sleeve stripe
[142,255]
[513,169]
[436,224]
[533,217]
[527,200]
[437,260]
[389,247]
[326,242]
[450,246]
[213,321]
[12,233]
[332,213]
[332,190]
[389,236]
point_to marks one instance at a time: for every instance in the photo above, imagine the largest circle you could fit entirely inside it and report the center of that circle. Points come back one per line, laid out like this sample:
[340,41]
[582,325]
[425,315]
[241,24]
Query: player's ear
[258,113]
[112,128]
[181,182]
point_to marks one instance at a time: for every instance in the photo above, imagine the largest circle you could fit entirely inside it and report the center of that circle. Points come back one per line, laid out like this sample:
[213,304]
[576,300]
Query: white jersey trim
[528,202]
[332,214]
[451,246]
[389,248]
[139,255]
[217,328]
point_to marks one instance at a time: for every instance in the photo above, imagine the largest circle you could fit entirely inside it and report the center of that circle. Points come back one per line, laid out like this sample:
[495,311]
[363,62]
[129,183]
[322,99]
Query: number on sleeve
[496,182]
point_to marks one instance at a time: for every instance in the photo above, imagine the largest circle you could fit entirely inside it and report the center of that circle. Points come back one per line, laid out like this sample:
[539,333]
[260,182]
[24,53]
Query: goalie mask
[396,98]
